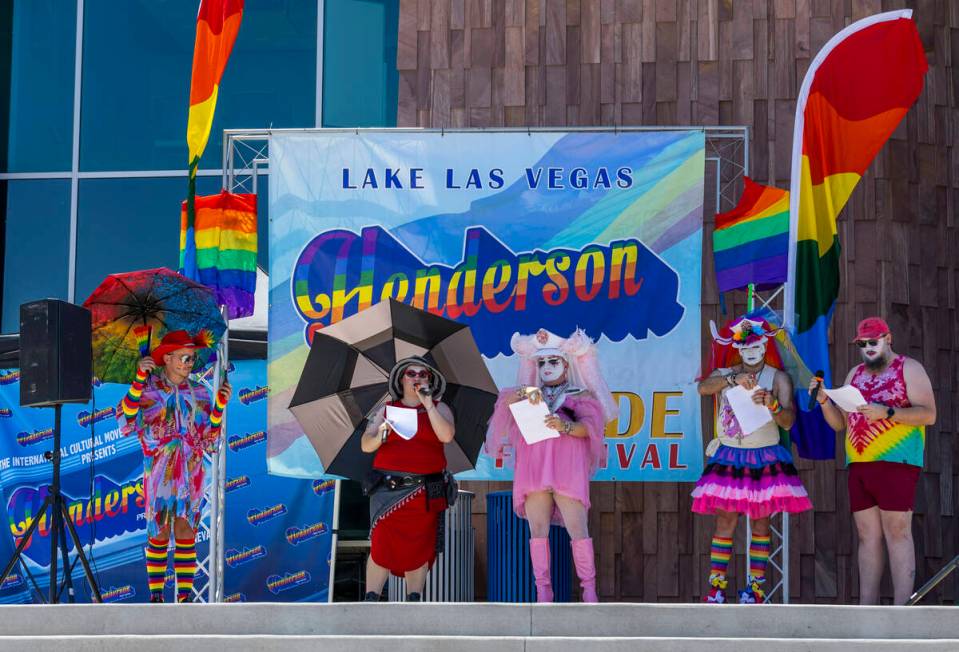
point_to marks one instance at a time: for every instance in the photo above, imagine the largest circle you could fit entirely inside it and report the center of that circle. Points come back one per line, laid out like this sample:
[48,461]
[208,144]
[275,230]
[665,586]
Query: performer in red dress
[409,484]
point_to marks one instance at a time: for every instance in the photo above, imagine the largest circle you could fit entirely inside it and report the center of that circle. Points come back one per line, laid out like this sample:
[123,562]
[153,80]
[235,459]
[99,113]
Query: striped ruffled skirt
[753,481]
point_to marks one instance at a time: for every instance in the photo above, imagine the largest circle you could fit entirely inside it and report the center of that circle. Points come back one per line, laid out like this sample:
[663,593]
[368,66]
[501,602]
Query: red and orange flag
[217,24]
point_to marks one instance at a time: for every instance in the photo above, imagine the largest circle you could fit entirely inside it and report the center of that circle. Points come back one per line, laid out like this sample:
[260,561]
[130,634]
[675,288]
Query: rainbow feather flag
[751,241]
[225,237]
[217,24]
[857,90]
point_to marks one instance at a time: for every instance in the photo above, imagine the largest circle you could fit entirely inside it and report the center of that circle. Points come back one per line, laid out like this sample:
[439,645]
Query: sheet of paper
[847,397]
[530,419]
[402,420]
[751,416]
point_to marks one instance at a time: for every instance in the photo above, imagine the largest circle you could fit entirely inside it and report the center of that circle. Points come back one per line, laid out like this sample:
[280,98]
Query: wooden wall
[491,63]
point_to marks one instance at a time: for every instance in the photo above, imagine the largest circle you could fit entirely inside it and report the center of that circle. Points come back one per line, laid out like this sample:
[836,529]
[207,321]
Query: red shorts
[889,485]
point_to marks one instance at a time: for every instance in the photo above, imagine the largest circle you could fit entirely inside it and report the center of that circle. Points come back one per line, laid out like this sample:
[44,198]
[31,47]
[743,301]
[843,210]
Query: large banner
[506,232]
[278,531]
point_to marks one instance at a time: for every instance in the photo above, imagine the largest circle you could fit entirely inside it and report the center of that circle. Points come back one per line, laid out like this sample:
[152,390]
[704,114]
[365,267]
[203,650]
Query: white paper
[531,421]
[849,398]
[402,420]
[751,416]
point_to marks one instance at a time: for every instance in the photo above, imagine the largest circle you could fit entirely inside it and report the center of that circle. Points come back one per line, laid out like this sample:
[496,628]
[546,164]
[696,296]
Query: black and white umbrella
[346,379]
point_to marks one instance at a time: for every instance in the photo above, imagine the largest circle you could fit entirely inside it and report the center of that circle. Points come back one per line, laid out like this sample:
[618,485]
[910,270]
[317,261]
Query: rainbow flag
[225,236]
[217,24]
[751,241]
[857,90]
[142,333]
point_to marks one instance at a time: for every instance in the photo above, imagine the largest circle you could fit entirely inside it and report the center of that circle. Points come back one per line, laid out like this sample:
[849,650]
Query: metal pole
[334,539]
[934,582]
[54,508]
[218,495]
[785,557]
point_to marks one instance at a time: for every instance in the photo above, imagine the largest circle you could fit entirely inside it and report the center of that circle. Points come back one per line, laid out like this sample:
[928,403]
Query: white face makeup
[551,369]
[753,355]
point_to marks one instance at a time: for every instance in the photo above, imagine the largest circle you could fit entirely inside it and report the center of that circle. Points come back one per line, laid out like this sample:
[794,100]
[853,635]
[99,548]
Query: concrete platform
[436,626]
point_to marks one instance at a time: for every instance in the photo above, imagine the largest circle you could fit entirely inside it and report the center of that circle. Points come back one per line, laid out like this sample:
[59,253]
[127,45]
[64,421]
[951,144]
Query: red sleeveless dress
[404,537]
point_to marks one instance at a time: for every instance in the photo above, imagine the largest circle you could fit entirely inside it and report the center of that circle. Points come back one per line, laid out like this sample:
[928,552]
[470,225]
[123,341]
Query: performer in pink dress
[551,477]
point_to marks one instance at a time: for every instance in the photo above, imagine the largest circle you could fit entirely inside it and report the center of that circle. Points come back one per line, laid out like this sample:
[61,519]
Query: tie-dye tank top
[883,440]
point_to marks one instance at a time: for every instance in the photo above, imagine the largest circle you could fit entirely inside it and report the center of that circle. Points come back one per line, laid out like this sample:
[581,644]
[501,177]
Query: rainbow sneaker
[754,594]
[717,590]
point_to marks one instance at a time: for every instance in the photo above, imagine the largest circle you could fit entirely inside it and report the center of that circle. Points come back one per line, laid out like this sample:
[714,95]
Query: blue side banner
[278,530]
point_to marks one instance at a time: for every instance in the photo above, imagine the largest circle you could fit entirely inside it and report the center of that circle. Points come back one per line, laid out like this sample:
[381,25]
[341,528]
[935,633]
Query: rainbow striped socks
[184,566]
[156,556]
[720,552]
[758,555]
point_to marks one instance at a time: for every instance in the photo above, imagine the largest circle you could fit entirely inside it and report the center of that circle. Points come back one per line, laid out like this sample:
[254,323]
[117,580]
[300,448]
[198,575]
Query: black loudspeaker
[56,356]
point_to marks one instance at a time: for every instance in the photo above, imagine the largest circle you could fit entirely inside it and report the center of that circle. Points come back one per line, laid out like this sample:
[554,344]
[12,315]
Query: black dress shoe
[414,597]
[371,596]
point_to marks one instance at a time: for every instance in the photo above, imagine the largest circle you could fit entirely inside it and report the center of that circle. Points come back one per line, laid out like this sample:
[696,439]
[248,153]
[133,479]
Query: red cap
[173,341]
[871,328]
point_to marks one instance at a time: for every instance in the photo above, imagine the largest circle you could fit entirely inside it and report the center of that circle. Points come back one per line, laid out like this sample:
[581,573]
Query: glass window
[129,224]
[37,244]
[359,45]
[43,43]
[137,58]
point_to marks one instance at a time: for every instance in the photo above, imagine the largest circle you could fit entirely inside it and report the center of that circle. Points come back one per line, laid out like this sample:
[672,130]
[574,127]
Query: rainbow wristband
[775,408]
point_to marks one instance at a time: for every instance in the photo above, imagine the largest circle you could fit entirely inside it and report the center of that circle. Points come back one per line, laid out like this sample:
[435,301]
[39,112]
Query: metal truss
[246,156]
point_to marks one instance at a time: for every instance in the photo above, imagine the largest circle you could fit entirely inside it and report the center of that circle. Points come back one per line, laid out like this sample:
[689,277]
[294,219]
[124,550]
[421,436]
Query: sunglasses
[417,374]
[186,358]
[542,362]
[864,343]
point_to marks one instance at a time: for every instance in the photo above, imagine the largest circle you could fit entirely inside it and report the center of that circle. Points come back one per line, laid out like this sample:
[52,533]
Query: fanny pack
[760,439]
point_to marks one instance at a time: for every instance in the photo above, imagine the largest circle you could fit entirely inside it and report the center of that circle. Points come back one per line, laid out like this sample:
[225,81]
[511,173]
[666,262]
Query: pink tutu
[563,465]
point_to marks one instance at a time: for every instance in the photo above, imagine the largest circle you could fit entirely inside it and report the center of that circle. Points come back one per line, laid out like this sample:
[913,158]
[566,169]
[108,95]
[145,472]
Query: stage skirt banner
[278,530]
[506,232]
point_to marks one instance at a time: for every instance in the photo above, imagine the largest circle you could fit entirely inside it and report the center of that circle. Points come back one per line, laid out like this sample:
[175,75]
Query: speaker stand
[59,514]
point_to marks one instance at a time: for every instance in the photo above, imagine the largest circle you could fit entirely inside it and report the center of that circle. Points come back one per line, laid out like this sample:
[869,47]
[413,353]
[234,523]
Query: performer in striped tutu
[176,422]
[747,473]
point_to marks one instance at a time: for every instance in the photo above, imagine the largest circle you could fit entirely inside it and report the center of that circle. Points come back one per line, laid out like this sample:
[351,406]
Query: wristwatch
[890,412]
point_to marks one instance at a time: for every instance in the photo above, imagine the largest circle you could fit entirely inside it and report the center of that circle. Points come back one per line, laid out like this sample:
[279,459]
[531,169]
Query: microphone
[424,391]
[815,391]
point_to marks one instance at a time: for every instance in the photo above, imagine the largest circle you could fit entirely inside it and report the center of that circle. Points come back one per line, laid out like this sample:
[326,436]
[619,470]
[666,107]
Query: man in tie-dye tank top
[884,450]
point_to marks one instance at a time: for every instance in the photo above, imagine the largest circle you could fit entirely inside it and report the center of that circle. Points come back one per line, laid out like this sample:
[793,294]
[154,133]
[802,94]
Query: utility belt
[438,485]
[760,439]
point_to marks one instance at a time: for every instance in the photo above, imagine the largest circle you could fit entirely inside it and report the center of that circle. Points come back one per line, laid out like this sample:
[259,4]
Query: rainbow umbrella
[133,311]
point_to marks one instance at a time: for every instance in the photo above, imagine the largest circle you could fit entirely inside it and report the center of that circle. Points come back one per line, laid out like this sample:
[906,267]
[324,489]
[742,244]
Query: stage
[437,626]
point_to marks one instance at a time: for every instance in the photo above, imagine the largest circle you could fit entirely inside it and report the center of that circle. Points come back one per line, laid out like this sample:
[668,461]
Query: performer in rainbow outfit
[176,422]
[747,472]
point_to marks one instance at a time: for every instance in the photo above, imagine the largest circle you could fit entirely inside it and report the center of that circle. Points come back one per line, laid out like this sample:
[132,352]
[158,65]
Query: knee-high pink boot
[585,568]
[539,556]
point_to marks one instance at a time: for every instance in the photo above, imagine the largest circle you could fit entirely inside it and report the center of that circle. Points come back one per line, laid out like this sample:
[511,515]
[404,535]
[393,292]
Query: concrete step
[264,643]
[484,619]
